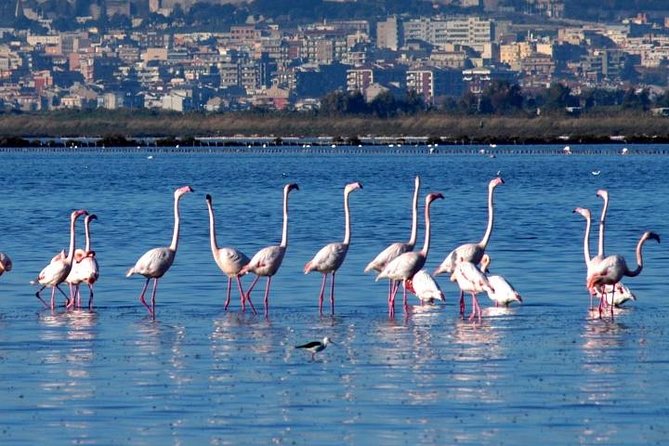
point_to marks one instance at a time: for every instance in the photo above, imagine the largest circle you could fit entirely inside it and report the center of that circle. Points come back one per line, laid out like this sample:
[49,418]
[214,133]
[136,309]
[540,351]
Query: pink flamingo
[471,279]
[266,262]
[398,248]
[501,292]
[5,263]
[426,289]
[229,260]
[471,252]
[331,256]
[155,262]
[610,270]
[58,269]
[405,266]
[85,268]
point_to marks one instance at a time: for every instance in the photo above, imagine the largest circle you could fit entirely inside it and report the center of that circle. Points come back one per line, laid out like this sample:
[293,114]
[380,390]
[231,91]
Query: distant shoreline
[128,129]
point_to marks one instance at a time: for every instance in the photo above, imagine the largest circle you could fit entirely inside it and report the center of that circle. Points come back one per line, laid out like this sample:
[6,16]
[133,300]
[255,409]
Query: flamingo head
[603,194]
[648,235]
[485,263]
[495,182]
[291,186]
[208,199]
[351,187]
[433,196]
[182,191]
[77,214]
[584,212]
[90,217]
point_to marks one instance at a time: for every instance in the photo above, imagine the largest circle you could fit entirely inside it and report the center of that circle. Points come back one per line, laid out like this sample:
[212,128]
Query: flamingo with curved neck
[59,268]
[155,262]
[85,268]
[405,266]
[398,248]
[610,270]
[329,258]
[266,262]
[229,260]
[471,252]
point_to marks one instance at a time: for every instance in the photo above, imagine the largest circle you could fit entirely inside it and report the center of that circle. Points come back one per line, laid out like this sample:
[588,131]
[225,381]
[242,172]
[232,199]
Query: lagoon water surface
[544,372]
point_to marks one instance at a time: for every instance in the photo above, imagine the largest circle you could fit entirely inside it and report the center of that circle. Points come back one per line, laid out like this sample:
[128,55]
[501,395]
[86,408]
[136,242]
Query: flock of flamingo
[467,264]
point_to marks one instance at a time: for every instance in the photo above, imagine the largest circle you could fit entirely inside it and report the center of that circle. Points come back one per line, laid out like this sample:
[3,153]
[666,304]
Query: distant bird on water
[315,346]
[398,248]
[229,260]
[266,262]
[331,256]
[60,266]
[5,263]
[155,262]
[471,252]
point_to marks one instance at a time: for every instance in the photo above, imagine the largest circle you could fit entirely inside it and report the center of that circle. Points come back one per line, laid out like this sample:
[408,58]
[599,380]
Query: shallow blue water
[545,372]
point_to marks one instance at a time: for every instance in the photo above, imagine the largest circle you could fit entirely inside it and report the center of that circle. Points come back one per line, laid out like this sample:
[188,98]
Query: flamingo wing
[469,252]
[403,267]
[232,260]
[54,273]
[266,261]
[154,263]
[387,255]
[502,291]
[425,287]
[328,259]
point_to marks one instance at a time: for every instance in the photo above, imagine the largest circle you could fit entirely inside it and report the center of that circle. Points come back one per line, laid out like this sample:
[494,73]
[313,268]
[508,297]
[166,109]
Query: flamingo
[229,260]
[502,292]
[471,279]
[266,262]
[471,252]
[85,269]
[58,269]
[394,250]
[424,287]
[155,262]
[610,270]
[405,266]
[5,263]
[331,256]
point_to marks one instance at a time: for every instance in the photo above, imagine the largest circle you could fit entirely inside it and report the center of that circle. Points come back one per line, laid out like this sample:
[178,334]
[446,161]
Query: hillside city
[219,55]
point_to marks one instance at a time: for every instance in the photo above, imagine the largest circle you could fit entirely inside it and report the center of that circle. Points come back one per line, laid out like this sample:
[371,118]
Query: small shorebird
[315,346]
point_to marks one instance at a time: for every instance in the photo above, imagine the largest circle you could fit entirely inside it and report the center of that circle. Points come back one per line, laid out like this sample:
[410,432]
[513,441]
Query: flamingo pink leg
[248,292]
[244,297]
[228,295]
[332,294]
[476,309]
[53,298]
[141,296]
[266,300]
[321,294]
[391,305]
[153,298]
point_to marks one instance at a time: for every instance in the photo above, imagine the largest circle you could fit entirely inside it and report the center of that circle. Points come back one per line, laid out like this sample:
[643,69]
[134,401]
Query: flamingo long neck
[491,217]
[586,240]
[414,215]
[426,244]
[347,219]
[284,234]
[88,235]
[70,254]
[600,247]
[639,259]
[212,230]
[175,234]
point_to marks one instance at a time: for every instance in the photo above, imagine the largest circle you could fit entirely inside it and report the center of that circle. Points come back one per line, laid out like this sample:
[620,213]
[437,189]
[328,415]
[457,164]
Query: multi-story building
[432,82]
[389,34]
